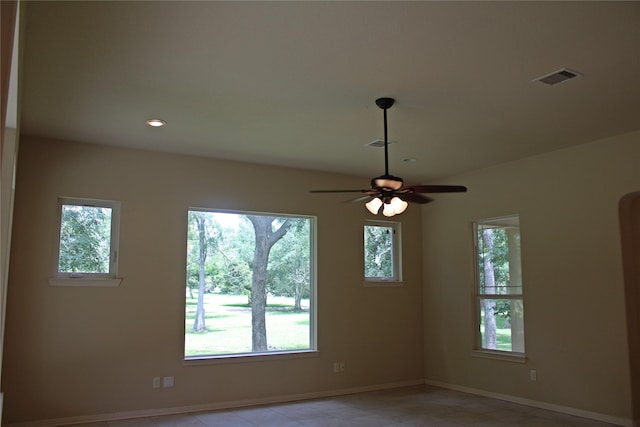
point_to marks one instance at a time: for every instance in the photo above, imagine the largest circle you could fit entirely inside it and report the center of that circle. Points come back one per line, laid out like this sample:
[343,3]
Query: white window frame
[509,355]
[395,280]
[312,351]
[109,278]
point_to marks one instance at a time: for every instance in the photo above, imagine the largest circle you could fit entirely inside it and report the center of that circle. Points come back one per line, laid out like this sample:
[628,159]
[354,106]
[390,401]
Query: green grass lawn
[503,335]
[228,322]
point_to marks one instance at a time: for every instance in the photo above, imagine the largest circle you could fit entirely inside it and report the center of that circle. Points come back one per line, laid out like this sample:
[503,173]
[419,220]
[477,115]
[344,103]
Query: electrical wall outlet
[167,382]
[533,375]
[338,367]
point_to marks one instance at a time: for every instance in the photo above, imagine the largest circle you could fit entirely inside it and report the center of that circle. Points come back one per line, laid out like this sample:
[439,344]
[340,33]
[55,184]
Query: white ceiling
[294,83]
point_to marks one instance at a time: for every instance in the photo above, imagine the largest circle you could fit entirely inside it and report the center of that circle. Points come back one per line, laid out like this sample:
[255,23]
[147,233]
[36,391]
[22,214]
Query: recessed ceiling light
[156,123]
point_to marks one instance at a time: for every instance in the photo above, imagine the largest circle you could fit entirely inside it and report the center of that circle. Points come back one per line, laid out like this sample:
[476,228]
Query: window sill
[248,357]
[85,282]
[383,284]
[500,355]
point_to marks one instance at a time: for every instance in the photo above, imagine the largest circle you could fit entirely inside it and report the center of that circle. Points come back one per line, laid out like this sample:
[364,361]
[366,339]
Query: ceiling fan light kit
[387,191]
[395,206]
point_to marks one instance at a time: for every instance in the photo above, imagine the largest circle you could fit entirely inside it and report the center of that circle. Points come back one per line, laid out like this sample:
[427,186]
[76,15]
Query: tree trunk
[259,290]
[297,306]
[489,336]
[199,323]
[265,239]
[515,286]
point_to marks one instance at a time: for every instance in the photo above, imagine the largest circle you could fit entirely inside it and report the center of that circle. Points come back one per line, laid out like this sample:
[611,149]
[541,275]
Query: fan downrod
[385,103]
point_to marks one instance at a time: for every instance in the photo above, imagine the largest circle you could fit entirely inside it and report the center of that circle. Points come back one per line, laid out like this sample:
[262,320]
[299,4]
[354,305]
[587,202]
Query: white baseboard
[213,406]
[536,404]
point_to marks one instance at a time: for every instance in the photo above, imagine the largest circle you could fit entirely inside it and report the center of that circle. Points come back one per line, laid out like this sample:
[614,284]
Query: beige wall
[85,351]
[572,274]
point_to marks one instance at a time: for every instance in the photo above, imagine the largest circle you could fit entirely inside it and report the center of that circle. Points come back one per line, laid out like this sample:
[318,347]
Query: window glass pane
[249,284]
[499,291]
[499,260]
[378,251]
[502,324]
[85,239]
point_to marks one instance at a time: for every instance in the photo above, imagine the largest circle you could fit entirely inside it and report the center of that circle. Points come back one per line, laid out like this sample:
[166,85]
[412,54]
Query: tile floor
[402,407]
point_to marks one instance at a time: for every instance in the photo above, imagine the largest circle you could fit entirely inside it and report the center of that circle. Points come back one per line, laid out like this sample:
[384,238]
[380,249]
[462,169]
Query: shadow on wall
[629,214]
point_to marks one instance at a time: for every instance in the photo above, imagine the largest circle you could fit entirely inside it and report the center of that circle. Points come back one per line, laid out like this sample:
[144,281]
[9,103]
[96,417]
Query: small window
[88,238]
[382,257]
[250,284]
[499,297]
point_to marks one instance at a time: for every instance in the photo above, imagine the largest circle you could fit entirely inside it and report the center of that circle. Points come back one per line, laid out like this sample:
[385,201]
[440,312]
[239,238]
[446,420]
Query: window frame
[395,280]
[501,222]
[312,350]
[88,278]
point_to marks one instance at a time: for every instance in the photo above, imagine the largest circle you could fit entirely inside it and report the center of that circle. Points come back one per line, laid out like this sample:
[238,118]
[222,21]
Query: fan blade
[360,199]
[339,191]
[415,198]
[436,188]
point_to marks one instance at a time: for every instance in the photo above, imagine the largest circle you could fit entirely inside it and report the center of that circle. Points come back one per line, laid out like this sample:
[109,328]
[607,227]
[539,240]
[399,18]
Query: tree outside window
[88,237]
[250,284]
[499,294]
[382,251]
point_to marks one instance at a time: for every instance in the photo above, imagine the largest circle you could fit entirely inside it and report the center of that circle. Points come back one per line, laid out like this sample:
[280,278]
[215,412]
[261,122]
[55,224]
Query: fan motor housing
[387,181]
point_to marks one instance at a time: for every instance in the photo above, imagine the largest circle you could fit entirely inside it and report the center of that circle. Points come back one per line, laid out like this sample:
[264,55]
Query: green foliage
[493,247]
[229,250]
[217,270]
[85,239]
[289,266]
[498,255]
[497,248]
[230,255]
[378,251]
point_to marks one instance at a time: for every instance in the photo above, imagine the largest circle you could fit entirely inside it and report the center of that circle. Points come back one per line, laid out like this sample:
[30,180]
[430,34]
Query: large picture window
[250,284]
[499,296]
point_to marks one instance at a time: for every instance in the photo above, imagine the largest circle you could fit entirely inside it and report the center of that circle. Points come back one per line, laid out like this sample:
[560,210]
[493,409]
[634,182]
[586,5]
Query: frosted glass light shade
[394,207]
[399,205]
[373,205]
[388,210]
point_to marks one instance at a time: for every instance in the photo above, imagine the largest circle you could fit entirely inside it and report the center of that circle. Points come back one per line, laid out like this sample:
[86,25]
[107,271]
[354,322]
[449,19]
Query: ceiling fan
[388,190]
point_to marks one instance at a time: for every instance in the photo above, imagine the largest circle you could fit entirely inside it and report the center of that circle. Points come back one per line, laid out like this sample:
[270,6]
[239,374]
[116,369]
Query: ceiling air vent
[377,143]
[558,77]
